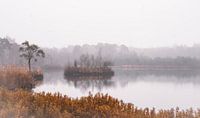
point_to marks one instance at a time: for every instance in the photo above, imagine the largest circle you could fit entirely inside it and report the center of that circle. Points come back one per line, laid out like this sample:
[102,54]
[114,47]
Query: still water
[159,89]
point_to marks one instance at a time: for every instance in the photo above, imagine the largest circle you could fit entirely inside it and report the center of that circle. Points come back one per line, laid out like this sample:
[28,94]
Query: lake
[159,89]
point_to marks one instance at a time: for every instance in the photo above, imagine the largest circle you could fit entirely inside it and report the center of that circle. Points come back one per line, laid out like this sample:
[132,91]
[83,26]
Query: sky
[135,23]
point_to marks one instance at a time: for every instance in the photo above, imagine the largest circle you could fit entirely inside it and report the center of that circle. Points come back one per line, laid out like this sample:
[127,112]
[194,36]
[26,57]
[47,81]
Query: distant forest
[117,54]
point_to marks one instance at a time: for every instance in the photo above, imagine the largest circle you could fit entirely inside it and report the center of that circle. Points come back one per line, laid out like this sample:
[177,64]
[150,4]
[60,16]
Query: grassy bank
[12,77]
[17,102]
[24,104]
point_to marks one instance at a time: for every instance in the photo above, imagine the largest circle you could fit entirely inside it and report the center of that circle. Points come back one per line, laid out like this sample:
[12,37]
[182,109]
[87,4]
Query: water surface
[159,89]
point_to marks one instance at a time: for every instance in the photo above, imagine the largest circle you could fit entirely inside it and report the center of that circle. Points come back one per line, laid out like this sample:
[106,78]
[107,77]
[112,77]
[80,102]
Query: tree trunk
[29,64]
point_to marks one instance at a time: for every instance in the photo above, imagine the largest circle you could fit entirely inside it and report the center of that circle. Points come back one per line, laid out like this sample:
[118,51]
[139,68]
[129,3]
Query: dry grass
[18,103]
[12,77]
[24,104]
[88,71]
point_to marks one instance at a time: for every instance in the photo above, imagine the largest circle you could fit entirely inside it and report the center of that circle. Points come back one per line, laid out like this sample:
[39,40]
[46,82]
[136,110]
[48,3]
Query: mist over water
[155,77]
[162,90]
[138,53]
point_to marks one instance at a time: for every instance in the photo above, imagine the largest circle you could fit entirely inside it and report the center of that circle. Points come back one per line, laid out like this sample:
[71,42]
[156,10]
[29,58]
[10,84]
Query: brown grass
[18,103]
[24,104]
[88,71]
[12,77]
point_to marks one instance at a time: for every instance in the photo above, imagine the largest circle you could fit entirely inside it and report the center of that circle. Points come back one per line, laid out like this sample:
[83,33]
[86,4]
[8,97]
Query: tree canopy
[30,52]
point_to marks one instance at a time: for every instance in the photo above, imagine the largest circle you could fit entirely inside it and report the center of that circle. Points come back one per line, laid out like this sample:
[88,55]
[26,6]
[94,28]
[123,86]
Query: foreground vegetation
[17,101]
[24,104]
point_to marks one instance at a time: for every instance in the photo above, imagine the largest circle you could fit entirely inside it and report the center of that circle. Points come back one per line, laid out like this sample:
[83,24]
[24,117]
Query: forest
[119,55]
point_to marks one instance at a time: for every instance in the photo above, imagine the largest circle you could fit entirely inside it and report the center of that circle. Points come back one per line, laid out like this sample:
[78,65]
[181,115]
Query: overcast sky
[137,23]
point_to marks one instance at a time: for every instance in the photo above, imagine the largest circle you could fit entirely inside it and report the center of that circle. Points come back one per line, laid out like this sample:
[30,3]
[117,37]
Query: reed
[12,77]
[88,71]
[24,104]
[15,102]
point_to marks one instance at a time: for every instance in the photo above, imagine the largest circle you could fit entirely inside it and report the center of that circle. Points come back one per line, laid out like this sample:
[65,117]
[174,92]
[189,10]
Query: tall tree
[30,52]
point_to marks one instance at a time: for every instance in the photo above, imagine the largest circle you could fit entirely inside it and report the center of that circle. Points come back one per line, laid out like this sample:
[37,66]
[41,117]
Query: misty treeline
[111,53]
[10,53]
[87,60]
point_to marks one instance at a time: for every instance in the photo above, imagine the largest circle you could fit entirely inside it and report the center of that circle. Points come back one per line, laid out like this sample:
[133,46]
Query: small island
[92,71]
[88,65]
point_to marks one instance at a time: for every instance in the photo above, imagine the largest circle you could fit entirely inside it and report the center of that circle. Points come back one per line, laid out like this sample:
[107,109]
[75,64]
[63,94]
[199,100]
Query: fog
[118,55]
[138,23]
[132,58]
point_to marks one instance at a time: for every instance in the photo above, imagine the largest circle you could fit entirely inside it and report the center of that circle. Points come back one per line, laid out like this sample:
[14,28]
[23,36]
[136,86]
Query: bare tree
[30,52]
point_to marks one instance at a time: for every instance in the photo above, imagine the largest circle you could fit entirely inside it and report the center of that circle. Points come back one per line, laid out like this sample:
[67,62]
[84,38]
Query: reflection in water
[169,76]
[84,83]
[160,89]
[179,74]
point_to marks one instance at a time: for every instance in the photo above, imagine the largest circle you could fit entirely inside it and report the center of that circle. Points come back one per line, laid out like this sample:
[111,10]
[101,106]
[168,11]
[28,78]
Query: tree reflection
[93,82]
[125,76]
[180,74]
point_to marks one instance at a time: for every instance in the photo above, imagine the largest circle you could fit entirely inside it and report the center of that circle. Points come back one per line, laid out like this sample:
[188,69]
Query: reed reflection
[93,82]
